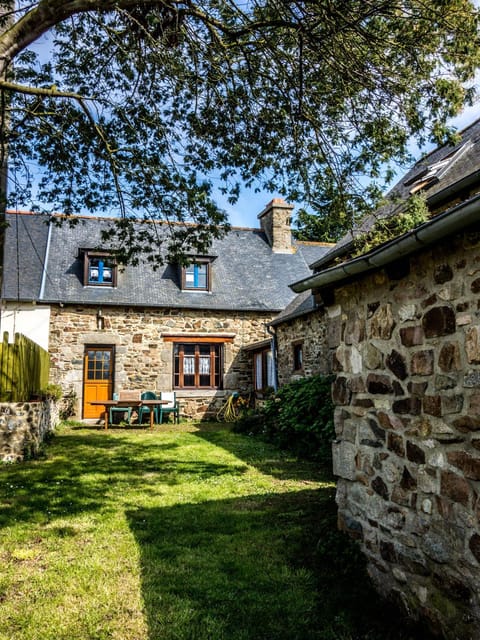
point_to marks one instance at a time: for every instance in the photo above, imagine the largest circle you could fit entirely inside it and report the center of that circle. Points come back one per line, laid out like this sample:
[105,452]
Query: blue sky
[244,213]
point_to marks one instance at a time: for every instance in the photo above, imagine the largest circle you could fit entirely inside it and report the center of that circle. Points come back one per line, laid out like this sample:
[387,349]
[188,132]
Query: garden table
[134,404]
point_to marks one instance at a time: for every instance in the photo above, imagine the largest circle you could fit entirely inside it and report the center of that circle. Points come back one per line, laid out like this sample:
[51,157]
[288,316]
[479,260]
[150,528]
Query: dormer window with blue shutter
[100,269]
[197,276]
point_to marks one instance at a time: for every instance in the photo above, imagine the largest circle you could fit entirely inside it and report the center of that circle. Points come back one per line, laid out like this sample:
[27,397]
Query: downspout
[45,262]
[273,343]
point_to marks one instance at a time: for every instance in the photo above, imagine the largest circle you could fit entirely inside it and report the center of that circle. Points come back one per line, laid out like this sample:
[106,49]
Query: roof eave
[138,305]
[292,316]
[257,346]
[433,200]
[437,228]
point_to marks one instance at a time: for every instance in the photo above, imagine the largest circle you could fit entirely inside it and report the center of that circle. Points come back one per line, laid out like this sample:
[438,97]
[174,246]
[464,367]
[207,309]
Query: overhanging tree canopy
[143,104]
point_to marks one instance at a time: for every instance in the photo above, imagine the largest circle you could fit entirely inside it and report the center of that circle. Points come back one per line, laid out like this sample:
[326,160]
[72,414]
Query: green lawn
[188,532]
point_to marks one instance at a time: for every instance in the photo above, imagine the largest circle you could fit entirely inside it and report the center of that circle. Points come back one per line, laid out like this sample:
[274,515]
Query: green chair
[147,395]
[117,410]
[171,406]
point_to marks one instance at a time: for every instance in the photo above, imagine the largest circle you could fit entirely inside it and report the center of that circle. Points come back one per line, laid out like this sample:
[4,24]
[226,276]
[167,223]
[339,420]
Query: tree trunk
[4,143]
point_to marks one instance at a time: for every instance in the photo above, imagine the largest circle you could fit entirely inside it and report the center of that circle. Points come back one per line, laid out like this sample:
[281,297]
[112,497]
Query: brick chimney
[275,221]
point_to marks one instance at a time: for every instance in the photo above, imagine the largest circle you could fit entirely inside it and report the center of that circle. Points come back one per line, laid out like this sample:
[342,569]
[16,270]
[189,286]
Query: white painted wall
[31,320]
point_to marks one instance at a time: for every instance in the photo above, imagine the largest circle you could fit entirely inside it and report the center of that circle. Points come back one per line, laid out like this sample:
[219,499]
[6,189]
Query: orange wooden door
[97,378]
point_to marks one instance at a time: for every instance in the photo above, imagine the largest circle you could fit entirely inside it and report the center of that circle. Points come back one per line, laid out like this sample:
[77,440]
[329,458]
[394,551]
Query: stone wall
[23,428]
[310,330]
[406,350]
[143,354]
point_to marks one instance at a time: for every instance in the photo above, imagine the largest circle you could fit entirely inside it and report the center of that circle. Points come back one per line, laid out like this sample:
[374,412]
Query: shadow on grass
[254,568]
[86,471]
[261,567]
[225,570]
[264,456]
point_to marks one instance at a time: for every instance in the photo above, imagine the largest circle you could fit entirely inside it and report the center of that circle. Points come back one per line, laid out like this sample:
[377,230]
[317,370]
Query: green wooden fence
[24,369]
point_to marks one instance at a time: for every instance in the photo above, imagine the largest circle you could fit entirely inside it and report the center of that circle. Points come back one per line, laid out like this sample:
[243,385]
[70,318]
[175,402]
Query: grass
[188,532]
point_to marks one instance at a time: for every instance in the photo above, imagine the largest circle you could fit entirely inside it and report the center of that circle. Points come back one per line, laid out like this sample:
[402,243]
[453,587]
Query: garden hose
[228,411]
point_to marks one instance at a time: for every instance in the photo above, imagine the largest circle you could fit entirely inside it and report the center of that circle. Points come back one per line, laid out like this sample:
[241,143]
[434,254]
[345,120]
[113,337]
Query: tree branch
[53,92]
[48,13]
[81,100]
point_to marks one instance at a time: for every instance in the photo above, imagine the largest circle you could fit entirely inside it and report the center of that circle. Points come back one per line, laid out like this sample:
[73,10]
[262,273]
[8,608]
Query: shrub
[299,417]
[68,406]
[51,392]
[415,213]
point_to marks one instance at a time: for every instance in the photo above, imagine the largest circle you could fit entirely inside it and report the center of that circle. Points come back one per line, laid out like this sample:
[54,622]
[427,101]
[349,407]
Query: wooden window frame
[216,364]
[99,347]
[112,263]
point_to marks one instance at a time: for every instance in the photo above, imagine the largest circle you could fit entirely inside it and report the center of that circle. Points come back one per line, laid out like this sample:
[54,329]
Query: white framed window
[197,276]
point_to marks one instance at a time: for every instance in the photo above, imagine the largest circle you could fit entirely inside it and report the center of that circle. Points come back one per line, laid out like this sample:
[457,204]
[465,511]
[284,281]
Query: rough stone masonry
[405,345]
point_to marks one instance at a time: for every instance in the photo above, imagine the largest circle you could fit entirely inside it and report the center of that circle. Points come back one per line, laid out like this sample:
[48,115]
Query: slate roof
[302,304]
[247,275]
[442,175]
[24,254]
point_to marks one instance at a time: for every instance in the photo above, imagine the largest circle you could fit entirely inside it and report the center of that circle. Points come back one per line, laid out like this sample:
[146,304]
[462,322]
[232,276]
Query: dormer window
[196,276]
[100,269]
[432,173]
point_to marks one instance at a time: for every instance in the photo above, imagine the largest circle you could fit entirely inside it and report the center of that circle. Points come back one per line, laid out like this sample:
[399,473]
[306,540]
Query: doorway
[98,371]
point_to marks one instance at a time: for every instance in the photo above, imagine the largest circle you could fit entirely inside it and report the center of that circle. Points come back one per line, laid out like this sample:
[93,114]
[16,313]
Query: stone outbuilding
[301,340]
[402,327]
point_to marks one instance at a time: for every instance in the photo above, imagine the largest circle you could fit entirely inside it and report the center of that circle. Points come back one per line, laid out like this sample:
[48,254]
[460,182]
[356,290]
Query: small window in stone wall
[263,370]
[298,356]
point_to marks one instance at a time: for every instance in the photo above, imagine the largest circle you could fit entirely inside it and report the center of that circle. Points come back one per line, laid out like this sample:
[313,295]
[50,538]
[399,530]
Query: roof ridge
[24,212]
[67,216]
[313,243]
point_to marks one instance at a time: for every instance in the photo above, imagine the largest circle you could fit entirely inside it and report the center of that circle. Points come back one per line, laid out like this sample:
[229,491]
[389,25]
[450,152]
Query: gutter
[437,228]
[45,262]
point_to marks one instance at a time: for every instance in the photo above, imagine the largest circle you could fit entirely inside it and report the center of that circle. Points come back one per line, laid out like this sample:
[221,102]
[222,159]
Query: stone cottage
[402,334]
[182,328]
